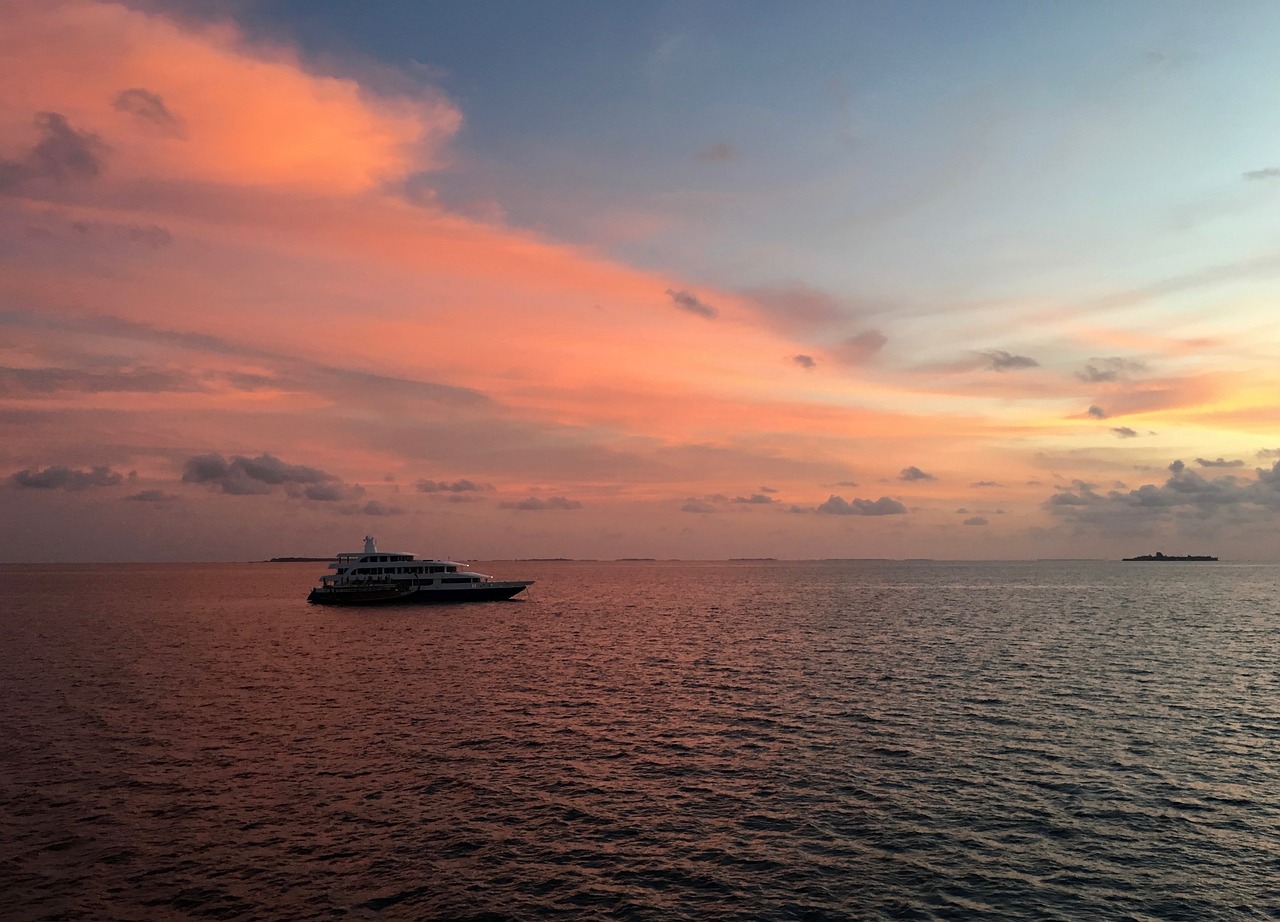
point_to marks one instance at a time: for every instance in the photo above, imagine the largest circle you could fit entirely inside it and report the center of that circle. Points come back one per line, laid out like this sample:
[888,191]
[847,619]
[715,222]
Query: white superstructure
[371,576]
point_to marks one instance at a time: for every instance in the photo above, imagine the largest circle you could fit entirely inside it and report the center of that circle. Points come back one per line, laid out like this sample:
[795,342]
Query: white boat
[373,577]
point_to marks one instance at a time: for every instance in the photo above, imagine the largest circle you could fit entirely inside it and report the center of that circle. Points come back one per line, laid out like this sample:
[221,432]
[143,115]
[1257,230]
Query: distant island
[300,559]
[1160,556]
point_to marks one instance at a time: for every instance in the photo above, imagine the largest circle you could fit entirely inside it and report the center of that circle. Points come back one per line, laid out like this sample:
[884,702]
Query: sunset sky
[688,279]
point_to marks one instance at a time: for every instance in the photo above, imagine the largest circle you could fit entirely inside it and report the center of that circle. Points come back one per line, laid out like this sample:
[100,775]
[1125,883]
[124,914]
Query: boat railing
[359,582]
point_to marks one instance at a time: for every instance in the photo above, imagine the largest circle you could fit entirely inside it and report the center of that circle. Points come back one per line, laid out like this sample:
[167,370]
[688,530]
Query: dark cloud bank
[243,476]
[50,380]
[456,486]
[151,110]
[1000,360]
[65,478]
[882,506]
[62,155]
[715,502]
[1107,370]
[690,302]
[1184,492]
[537,504]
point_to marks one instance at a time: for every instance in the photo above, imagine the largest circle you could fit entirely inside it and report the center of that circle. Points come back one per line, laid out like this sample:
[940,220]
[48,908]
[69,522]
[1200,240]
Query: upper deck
[371,562]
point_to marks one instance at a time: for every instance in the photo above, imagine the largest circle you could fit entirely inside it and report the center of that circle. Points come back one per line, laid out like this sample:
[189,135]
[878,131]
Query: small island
[1160,556]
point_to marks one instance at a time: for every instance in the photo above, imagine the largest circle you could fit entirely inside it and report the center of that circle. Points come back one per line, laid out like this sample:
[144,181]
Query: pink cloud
[210,257]
[176,102]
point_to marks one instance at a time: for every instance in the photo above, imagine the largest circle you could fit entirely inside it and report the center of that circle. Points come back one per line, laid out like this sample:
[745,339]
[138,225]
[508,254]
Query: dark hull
[426,596]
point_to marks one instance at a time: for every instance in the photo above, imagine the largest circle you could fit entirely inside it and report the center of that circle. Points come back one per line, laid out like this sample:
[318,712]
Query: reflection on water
[644,740]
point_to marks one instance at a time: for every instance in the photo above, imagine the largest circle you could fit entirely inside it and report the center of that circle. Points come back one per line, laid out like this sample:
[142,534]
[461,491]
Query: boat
[373,577]
[1161,557]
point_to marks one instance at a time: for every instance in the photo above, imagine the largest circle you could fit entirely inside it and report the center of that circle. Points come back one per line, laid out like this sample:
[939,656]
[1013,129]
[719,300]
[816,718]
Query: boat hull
[424,595]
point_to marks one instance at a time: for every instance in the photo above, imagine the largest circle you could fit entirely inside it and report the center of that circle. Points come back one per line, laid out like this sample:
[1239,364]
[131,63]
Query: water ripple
[645,741]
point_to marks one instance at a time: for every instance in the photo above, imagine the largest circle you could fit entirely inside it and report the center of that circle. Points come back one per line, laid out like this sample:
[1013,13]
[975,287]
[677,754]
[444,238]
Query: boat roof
[350,556]
[371,548]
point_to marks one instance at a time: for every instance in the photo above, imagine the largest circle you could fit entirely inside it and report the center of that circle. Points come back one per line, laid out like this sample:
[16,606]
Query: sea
[646,740]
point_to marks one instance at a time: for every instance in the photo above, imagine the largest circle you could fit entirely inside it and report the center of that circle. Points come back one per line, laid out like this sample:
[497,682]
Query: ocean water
[753,741]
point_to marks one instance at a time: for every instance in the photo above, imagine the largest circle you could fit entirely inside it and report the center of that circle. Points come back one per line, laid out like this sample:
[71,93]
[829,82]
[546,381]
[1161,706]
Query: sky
[560,278]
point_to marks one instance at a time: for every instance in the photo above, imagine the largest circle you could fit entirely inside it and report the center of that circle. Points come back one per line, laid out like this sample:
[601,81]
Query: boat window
[458,579]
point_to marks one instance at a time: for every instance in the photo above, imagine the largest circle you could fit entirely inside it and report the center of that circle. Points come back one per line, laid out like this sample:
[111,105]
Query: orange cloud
[220,263]
[248,113]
